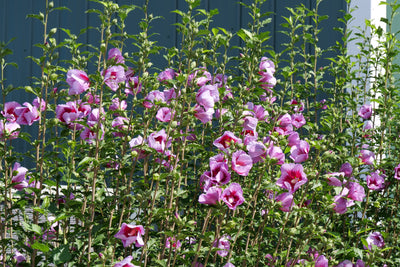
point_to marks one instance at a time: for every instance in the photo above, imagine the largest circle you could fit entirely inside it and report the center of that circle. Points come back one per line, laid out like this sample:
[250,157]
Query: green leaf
[215,31]
[61,8]
[245,35]
[37,229]
[40,246]
[85,161]
[61,255]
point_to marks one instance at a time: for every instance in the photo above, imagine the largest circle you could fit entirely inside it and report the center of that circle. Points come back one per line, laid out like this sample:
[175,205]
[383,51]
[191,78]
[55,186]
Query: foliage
[268,158]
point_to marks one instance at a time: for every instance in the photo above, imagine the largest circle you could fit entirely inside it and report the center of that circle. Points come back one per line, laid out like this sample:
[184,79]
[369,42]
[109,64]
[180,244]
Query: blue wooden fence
[27,31]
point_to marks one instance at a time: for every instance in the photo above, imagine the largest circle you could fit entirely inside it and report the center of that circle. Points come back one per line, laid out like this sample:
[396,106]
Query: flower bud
[103,47]
[51,4]
[134,154]
[156,177]
[53,31]
[53,76]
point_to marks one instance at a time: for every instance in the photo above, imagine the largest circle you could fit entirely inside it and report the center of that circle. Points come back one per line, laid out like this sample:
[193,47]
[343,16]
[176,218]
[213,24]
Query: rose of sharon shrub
[144,156]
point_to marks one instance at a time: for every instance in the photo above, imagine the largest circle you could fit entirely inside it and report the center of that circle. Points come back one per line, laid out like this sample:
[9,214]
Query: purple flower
[266,66]
[95,116]
[207,96]
[115,55]
[219,172]
[226,140]
[168,74]
[249,125]
[93,99]
[132,85]
[259,111]
[113,76]
[284,130]
[9,130]
[365,111]
[201,76]
[152,98]
[275,152]
[19,257]
[257,151]
[211,197]
[121,125]
[299,152]
[241,163]
[267,81]
[292,177]
[293,139]
[90,135]
[206,181]
[342,202]
[397,172]
[67,113]
[321,261]
[297,106]
[359,263]
[284,120]
[125,262]
[298,120]
[158,141]
[219,158]
[27,115]
[346,169]
[164,114]
[233,196]
[228,264]
[169,94]
[220,80]
[172,242]
[375,238]
[286,200]
[78,81]
[18,178]
[39,103]
[223,244]
[367,157]
[375,181]
[368,125]
[345,263]
[333,180]
[9,111]
[130,234]
[118,105]
[204,115]
[356,191]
